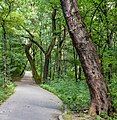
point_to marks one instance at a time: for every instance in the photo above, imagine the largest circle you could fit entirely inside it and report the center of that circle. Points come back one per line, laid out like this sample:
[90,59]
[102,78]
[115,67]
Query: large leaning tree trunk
[89,59]
[36,77]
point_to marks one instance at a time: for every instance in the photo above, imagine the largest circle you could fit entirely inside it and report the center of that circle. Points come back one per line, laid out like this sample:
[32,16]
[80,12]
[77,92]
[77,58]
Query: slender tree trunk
[53,72]
[89,59]
[79,73]
[58,61]
[75,65]
[46,67]
[4,51]
[50,68]
[41,62]
[60,47]
[41,53]
[36,77]
[50,48]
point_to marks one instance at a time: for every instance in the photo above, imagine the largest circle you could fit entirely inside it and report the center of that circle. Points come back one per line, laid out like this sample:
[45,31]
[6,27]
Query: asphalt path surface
[30,102]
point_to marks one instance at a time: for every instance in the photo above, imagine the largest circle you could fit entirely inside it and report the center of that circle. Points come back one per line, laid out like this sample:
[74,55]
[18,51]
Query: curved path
[30,102]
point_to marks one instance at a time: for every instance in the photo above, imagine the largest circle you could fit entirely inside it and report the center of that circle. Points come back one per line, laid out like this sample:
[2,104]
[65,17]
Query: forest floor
[30,102]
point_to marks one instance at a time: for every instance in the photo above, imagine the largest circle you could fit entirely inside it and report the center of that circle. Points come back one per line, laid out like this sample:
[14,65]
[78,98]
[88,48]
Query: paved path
[30,102]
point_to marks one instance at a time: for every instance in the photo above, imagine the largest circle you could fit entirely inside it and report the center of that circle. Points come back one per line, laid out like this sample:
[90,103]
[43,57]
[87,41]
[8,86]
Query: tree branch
[31,38]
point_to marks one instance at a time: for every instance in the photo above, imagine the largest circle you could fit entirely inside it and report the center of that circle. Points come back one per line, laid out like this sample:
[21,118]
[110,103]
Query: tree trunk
[46,67]
[79,73]
[75,65]
[50,68]
[4,51]
[50,48]
[89,59]
[62,37]
[41,61]
[36,77]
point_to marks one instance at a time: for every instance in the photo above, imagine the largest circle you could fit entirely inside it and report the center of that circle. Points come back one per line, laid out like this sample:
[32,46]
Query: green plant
[113,90]
[74,94]
[6,91]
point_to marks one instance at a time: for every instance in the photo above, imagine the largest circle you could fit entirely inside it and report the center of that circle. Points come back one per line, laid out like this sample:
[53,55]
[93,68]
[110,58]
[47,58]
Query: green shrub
[6,91]
[74,94]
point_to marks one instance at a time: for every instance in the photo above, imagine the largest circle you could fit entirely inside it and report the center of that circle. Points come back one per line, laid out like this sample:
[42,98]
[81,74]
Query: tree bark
[89,59]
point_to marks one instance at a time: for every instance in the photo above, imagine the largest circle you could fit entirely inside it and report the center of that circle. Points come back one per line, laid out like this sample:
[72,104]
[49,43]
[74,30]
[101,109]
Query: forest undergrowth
[76,97]
[6,90]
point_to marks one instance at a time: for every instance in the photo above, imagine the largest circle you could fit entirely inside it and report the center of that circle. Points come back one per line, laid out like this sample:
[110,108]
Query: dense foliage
[5,91]
[74,94]
[41,24]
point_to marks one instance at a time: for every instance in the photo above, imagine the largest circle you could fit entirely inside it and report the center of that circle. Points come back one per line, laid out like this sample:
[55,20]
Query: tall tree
[50,48]
[86,50]
[46,53]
